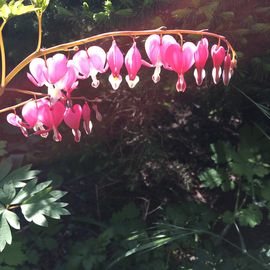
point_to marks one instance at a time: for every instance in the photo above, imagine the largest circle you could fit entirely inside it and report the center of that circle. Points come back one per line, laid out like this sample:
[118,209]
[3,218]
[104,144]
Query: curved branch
[73,45]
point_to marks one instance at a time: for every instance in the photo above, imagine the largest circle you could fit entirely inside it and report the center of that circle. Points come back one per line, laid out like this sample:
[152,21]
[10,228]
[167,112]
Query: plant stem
[39,16]
[27,92]
[74,44]
[15,106]
[3,59]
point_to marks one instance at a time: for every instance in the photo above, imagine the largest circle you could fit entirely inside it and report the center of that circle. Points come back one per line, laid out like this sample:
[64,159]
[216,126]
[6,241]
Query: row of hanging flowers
[61,77]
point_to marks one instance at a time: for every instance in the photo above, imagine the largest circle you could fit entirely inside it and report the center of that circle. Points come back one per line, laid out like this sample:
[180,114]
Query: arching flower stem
[3,59]
[74,46]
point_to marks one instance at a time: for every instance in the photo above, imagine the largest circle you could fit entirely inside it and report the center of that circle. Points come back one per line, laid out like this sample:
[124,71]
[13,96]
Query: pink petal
[133,61]
[115,59]
[30,113]
[167,40]
[152,48]
[86,114]
[201,53]
[227,70]
[180,59]
[57,67]
[218,54]
[72,116]
[82,63]
[37,67]
[97,58]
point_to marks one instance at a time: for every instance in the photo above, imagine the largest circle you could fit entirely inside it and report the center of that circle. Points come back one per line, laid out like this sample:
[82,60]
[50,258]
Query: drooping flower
[16,121]
[115,61]
[51,117]
[97,62]
[49,73]
[218,54]
[180,59]
[133,63]
[70,81]
[81,61]
[72,118]
[90,63]
[200,56]
[86,114]
[37,67]
[227,69]
[155,47]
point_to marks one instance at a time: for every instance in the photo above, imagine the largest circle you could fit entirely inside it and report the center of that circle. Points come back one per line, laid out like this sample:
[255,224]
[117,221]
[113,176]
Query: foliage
[35,200]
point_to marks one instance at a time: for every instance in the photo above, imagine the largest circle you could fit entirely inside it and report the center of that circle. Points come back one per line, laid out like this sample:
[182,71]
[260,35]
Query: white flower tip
[216,73]
[132,83]
[156,76]
[77,135]
[115,81]
[88,127]
[95,83]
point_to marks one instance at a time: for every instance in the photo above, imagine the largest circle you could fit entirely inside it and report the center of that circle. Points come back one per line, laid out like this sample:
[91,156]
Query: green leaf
[40,4]
[38,201]
[7,193]
[212,178]
[15,8]
[5,167]
[18,176]
[251,216]
[12,219]
[5,233]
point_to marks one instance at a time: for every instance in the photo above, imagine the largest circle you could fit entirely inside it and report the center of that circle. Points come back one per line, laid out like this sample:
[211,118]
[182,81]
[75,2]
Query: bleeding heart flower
[218,54]
[227,69]
[16,121]
[155,47]
[115,61]
[69,81]
[72,118]
[97,62]
[86,114]
[81,61]
[37,67]
[180,59]
[133,63]
[200,57]
[51,117]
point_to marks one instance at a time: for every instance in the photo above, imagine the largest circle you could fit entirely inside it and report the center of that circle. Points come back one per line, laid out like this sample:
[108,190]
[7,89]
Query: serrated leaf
[5,233]
[12,219]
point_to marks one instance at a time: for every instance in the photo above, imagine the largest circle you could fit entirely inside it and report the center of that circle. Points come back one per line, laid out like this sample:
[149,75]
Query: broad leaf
[5,233]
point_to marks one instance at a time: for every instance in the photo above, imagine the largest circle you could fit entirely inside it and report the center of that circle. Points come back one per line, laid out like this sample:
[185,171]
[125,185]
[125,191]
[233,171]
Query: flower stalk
[74,44]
